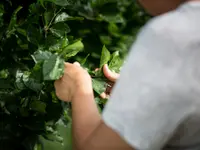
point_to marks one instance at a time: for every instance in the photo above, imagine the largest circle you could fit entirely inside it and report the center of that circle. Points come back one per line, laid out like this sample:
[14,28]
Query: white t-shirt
[156,102]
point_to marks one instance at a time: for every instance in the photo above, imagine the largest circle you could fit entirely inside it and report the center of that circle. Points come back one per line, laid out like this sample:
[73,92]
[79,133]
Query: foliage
[36,37]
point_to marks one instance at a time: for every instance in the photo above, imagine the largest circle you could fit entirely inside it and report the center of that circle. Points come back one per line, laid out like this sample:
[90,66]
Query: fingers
[56,85]
[112,76]
[77,63]
[69,64]
[104,95]
[97,69]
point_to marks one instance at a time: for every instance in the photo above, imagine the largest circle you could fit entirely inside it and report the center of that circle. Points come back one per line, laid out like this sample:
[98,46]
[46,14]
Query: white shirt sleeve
[149,100]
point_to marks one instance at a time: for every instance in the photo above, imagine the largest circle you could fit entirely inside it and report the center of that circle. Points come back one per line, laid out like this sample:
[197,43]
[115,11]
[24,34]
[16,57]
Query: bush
[36,37]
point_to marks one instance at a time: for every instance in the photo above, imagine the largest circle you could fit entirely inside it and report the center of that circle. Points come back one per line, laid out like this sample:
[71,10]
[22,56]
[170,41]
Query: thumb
[112,76]
[77,63]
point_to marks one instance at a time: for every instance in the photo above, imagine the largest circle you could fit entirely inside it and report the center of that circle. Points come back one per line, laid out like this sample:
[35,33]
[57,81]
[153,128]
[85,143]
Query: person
[155,103]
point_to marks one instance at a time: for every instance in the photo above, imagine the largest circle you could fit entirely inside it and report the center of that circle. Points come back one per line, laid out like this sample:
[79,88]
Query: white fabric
[156,102]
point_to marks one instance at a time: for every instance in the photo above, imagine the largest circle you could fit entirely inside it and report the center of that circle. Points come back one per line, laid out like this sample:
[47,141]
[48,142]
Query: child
[155,104]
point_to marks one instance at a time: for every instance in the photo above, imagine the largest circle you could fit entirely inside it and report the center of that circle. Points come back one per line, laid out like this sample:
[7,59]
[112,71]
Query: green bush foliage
[36,37]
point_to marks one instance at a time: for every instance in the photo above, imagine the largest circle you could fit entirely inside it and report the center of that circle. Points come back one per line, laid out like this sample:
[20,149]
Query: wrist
[82,92]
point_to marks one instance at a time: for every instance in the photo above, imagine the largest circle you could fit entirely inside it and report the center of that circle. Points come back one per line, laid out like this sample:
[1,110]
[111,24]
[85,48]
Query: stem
[50,23]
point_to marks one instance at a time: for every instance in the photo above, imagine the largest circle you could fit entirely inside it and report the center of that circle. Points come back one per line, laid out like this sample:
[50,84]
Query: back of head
[157,7]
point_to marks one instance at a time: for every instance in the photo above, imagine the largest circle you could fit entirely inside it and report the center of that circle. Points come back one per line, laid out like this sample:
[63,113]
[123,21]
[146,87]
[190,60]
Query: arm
[150,87]
[89,130]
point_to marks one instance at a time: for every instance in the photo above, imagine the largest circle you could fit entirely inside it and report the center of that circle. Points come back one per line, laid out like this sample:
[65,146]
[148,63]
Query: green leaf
[114,30]
[19,80]
[35,8]
[21,31]
[61,2]
[116,62]
[60,29]
[57,45]
[99,85]
[1,14]
[48,15]
[99,100]
[72,49]
[13,22]
[41,55]
[24,102]
[106,40]
[31,83]
[34,35]
[38,146]
[105,56]
[84,60]
[41,2]
[54,136]
[36,72]
[53,68]
[65,17]
[112,18]
[38,106]
[4,74]
[14,18]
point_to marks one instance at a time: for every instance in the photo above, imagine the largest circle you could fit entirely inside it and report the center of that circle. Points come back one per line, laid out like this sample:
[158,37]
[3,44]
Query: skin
[89,130]
[158,7]
[112,77]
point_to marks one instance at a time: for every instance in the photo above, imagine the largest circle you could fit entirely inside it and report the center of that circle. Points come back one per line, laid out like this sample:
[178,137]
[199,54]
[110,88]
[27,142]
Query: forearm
[86,118]
[89,130]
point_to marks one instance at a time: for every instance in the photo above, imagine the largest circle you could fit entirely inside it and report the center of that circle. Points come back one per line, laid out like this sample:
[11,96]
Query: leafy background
[36,37]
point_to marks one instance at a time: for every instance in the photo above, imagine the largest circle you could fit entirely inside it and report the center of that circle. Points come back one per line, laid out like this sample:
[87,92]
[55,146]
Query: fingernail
[96,69]
[103,95]
[77,63]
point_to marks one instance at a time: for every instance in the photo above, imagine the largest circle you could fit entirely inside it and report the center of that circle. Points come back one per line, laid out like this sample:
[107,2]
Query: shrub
[36,37]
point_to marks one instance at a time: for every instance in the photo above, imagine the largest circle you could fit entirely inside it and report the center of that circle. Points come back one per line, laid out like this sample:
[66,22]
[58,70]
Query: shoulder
[176,26]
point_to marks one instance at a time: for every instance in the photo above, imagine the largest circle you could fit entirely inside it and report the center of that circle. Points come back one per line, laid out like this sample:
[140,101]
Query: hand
[75,81]
[112,77]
